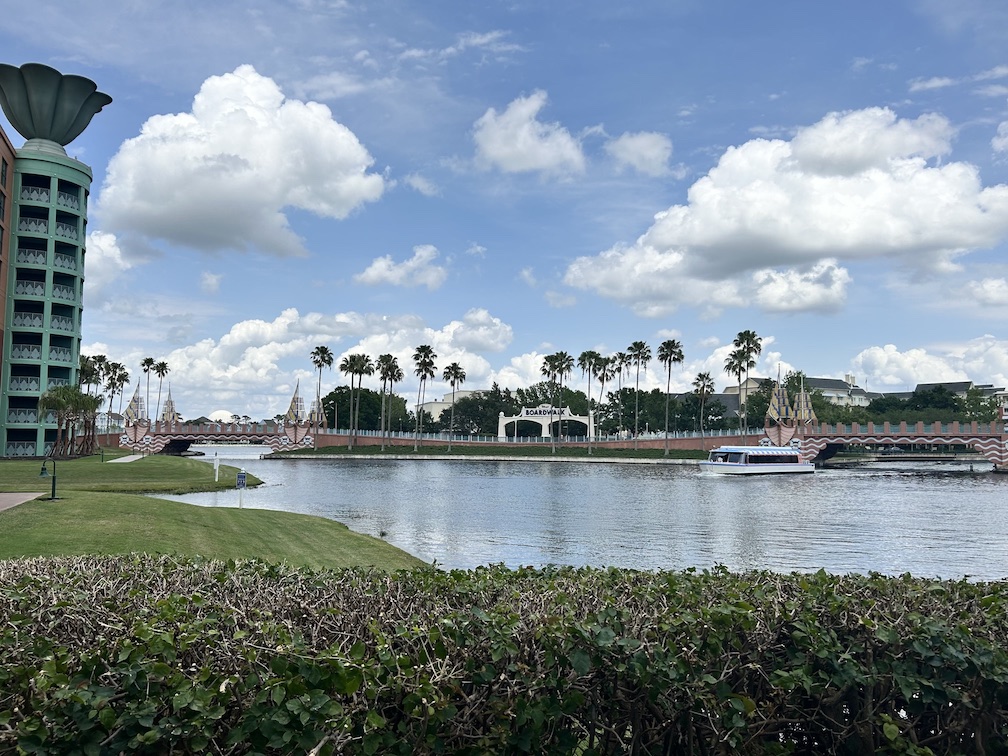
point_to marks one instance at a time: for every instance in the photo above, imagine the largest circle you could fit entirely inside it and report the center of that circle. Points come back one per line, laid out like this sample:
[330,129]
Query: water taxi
[755,460]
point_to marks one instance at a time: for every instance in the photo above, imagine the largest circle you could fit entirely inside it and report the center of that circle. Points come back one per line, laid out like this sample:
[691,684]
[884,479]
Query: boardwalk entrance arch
[544,416]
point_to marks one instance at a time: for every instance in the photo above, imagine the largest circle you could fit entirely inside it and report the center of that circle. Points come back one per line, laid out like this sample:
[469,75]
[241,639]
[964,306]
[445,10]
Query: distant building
[436,408]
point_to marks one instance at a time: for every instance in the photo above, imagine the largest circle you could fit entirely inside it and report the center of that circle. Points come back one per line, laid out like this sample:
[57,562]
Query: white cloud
[935,82]
[424,186]
[990,292]
[781,217]
[210,282]
[221,176]
[527,275]
[479,331]
[1000,140]
[105,263]
[887,368]
[516,142]
[419,270]
[476,250]
[645,152]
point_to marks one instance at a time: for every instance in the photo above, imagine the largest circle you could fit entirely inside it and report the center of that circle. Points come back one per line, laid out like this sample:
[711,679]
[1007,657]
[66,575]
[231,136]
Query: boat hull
[730,468]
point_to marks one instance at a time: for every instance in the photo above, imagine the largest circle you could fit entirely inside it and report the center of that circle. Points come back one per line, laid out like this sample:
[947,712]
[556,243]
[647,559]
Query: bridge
[176,438]
[820,441]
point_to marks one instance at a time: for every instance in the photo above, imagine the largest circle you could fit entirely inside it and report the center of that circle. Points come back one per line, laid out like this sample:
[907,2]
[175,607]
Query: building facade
[42,248]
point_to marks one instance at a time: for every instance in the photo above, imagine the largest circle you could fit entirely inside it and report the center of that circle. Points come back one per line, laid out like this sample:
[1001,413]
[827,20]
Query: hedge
[146,654]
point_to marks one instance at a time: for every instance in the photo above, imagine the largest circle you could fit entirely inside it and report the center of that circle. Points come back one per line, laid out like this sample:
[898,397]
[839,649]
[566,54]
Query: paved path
[128,458]
[8,500]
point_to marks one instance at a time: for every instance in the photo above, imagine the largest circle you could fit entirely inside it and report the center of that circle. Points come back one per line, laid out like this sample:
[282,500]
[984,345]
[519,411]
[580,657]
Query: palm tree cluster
[356,366]
[743,357]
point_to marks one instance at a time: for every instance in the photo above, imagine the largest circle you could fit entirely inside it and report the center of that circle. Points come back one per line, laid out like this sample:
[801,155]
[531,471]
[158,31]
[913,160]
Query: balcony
[65,262]
[29,289]
[28,416]
[26,352]
[66,230]
[31,257]
[25,384]
[54,382]
[34,194]
[24,449]
[61,323]
[61,354]
[33,226]
[68,201]
[28,320]
[64,293]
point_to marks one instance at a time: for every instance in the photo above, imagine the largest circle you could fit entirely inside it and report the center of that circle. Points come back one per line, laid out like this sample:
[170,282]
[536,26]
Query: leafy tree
[480,412]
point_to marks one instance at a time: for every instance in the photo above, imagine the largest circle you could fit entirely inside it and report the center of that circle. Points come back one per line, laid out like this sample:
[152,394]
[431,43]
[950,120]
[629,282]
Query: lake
[930,519]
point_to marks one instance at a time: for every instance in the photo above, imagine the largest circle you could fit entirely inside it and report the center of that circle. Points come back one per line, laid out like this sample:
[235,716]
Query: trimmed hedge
[162,655]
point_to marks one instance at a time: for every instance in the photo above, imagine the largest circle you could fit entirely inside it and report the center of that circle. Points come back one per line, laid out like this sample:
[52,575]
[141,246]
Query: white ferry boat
[755,460]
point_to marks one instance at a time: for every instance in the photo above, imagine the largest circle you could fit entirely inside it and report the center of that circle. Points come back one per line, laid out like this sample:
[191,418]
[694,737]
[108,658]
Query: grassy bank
[99,511]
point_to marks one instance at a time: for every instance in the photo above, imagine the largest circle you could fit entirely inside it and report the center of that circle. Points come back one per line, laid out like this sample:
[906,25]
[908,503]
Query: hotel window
[3,173]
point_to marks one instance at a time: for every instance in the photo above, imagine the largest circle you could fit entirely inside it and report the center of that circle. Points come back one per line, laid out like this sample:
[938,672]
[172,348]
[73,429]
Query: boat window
[735,457]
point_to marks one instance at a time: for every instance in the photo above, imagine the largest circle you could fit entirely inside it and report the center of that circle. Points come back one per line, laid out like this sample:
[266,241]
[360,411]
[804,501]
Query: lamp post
[45,474]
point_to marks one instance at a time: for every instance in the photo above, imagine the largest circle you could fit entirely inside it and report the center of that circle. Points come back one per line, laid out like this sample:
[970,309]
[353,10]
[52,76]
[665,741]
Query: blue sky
[503,181]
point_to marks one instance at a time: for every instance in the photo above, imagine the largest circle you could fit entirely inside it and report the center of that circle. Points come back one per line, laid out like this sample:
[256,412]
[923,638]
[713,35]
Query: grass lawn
[108,523]
[157,473]
[98,511]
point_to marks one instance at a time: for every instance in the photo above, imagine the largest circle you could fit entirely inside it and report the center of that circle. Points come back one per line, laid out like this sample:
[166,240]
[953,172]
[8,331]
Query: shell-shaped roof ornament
[42,103]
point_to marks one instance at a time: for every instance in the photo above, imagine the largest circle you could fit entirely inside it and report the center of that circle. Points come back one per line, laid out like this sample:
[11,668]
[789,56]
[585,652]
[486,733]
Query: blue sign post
[240,484]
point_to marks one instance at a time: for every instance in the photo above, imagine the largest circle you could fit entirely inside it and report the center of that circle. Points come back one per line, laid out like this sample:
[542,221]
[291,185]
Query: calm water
[930,519]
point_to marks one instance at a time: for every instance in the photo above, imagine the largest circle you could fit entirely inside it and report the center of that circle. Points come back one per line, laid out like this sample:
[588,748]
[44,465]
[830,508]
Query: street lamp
[45,474]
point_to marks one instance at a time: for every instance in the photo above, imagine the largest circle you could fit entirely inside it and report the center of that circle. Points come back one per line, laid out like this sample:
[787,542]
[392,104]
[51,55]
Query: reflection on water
[933,520]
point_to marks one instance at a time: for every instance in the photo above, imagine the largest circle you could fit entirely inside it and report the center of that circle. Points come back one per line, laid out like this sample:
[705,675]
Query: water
[929,519]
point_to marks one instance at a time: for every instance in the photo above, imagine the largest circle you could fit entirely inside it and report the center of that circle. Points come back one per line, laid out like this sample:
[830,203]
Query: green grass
[107,523]
[98,511]
[157,473]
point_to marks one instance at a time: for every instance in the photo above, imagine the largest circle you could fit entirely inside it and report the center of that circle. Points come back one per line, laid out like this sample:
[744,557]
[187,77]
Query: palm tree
[362,365]
[605,370]
[704,386]
[640,354]
[355,365]
[321,356]
[423,358]
[564,367]
[390,373]
[587,361]
[147,363]
[669,352]
[549,372]
[751,346]
[59,400]
[621,361]
[455,375]
[116,379]
[89,406]
[737,364]
[160,370]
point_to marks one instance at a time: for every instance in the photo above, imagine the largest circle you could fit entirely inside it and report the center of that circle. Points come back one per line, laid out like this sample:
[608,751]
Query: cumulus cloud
[516,142]
[645,152]
[220,177]
[105,263]
[784,216]
[419,270]
[888,367]
[479,331]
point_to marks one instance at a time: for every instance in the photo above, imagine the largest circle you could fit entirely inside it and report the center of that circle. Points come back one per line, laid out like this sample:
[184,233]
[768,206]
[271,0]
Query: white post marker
[216,467]
[241,486]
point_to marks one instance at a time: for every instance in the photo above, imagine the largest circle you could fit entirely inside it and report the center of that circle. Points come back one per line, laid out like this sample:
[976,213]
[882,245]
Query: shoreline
[482,458]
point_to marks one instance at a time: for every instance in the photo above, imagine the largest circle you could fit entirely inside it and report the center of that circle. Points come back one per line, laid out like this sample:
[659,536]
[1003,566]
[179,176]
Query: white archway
[544,416]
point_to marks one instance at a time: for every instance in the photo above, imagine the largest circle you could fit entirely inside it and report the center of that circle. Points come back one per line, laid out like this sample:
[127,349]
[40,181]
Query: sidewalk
[128,458]
[8,500]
